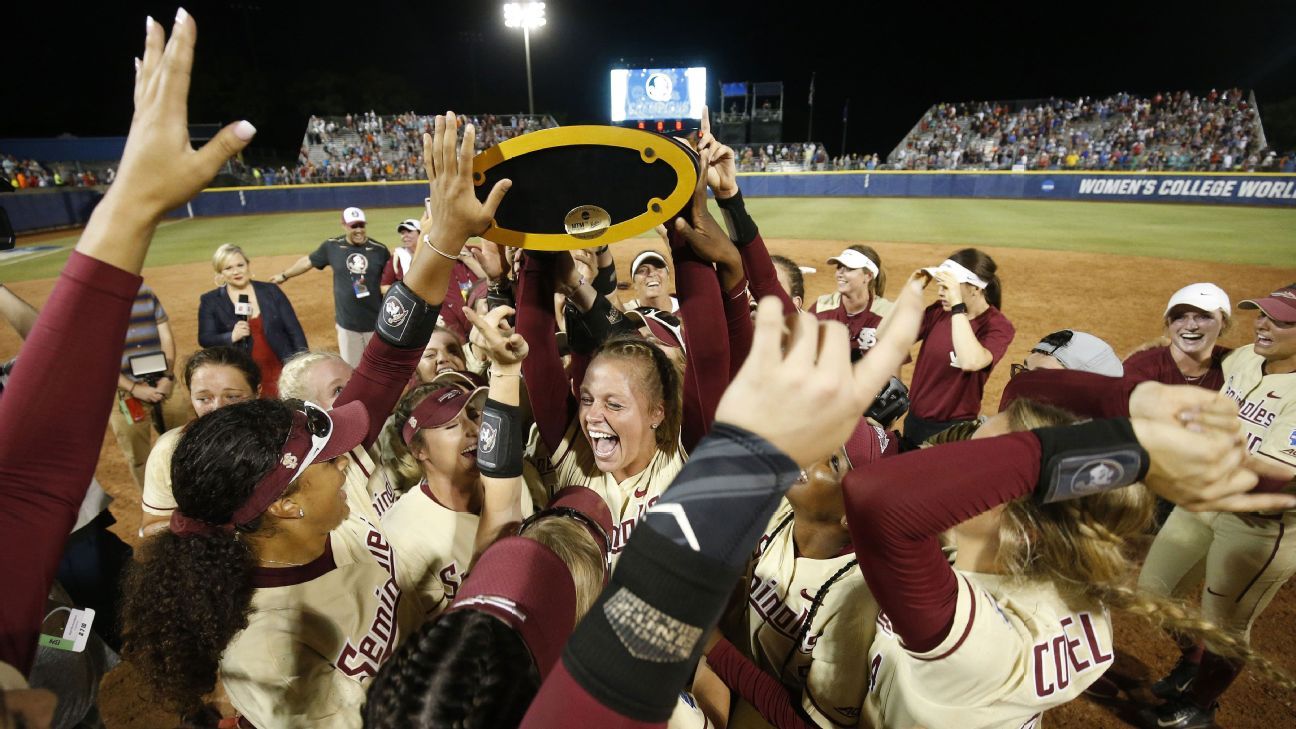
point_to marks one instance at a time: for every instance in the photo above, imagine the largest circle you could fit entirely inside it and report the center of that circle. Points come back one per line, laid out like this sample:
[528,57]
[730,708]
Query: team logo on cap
[289,461]
[486,438]
[395,311]
[1291,439]
[413,422]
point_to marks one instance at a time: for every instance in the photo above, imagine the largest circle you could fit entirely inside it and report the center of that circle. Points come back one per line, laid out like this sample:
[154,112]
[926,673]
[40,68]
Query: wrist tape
[1079,460]
[406,321]
[605,281]
[635,649]
[499,441]
[741,226]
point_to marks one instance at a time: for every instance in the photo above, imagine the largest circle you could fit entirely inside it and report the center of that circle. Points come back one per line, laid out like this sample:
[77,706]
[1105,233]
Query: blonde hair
[223,254]
[393,454]
[659,378]
[877,286]
[572,542]
[292,379]
[1082,547]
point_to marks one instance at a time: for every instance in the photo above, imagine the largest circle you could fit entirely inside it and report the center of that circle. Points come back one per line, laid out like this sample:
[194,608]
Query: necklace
[286,564]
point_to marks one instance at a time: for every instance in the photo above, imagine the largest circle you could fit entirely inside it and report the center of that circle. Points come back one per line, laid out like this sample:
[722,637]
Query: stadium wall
[47,209]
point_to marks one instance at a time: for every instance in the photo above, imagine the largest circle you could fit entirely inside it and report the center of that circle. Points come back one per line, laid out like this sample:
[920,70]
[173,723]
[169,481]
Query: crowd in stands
[782,157]
[371,146]
[514,499]
[1217,132]
[23,174]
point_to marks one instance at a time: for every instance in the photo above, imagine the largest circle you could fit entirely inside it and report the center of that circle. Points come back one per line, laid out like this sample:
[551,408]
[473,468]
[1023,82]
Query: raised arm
[72,356]
[410,308]
[500,440]
[547,386]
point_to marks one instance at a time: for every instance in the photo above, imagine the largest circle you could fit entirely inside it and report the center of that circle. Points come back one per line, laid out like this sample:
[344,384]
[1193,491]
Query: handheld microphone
[243,309]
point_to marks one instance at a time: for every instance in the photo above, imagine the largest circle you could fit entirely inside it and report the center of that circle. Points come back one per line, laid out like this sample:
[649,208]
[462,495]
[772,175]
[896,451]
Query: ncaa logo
[659,87]
[1047,186]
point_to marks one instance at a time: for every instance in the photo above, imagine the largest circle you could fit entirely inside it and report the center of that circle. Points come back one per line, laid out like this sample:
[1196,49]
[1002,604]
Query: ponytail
[187,597]
[984,266]
[877,287]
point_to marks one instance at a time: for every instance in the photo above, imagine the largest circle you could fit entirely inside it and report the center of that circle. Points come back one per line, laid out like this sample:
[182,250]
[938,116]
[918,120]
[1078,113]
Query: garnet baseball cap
[592,509]
[867,443]
[851,258]
[408,224]
[352,215]
[1204,296]
[1081,351]
[1279,306]
[440,407]
[648,257]
[524,584]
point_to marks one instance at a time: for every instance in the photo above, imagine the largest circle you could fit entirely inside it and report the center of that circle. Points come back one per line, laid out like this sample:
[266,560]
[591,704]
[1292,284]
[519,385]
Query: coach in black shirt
[357,262]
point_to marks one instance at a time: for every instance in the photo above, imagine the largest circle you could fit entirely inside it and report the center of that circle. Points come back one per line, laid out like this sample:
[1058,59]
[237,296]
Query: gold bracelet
[443,254]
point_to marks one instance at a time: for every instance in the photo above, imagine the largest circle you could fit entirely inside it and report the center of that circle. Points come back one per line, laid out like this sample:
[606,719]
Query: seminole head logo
[356,263]
[395,312]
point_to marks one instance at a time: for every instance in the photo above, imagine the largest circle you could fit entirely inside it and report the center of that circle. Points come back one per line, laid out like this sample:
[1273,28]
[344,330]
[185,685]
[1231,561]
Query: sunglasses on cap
[320,427]
[588,522]
[1055,341]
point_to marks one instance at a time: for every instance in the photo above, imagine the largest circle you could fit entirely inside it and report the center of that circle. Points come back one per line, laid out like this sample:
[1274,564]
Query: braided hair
[466,669]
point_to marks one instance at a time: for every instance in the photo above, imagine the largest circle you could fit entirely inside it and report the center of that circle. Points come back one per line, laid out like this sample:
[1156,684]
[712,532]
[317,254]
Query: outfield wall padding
[45,209]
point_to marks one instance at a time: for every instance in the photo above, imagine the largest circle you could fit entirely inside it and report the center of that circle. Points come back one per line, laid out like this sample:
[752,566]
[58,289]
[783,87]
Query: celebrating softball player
[1243,558]
[1195,317]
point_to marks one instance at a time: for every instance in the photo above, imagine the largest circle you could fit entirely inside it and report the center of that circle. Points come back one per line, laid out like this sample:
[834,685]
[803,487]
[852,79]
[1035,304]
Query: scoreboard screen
[651,94]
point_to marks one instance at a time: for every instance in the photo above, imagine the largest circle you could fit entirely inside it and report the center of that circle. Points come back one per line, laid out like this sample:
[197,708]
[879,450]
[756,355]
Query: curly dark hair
[185,598]
[662,382]
[466,669]
[223,355]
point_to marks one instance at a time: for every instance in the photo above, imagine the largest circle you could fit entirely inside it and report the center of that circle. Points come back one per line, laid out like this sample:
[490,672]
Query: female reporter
[275,569]
[964,335]
[252,315]
[1195,317]
[215,377]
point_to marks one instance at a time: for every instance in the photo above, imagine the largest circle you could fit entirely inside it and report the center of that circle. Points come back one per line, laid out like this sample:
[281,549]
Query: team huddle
[516,498]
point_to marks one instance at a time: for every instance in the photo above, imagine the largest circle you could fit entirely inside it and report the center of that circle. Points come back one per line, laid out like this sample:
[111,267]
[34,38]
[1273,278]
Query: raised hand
[705,236]
[159,169]
[503,345]
[722,173]
[455,212]
[1202,471]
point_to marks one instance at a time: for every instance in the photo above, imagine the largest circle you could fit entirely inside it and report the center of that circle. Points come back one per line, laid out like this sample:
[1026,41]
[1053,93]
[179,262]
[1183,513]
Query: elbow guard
[1079,460]
[406,321]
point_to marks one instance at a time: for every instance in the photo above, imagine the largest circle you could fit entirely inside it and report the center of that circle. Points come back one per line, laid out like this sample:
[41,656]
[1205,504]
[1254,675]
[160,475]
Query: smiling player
[1195,318]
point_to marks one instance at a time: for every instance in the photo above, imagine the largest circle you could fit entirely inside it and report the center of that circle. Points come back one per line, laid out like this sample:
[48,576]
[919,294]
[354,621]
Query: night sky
[70,70]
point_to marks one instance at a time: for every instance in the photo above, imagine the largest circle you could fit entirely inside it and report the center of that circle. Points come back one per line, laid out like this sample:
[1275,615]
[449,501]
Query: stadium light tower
[526,16]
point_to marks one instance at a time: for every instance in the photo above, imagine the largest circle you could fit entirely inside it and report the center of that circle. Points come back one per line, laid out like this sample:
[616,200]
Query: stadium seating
[782,157]
[1218,131]
[368,146]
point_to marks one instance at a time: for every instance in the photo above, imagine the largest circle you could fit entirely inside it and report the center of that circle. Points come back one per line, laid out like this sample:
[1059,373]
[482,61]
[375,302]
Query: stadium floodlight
[527,16]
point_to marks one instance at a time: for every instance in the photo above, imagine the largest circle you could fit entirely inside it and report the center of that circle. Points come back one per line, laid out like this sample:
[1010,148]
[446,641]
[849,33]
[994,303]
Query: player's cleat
[1178,681]
[1182,715]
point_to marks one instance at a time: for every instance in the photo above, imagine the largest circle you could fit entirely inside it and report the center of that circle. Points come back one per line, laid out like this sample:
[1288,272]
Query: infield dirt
[1118,298]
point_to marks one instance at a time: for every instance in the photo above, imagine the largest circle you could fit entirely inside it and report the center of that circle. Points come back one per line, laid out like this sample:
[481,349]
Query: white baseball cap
[1081,351]
[851,258]
[352,215]
[1205,296]
[961,273]
[408,224]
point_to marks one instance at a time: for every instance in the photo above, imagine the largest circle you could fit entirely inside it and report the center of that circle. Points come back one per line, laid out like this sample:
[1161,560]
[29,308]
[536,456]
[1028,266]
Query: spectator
[253,316]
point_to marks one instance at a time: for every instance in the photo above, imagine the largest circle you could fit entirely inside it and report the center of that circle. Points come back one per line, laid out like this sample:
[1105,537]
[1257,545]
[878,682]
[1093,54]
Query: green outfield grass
[1256,236]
